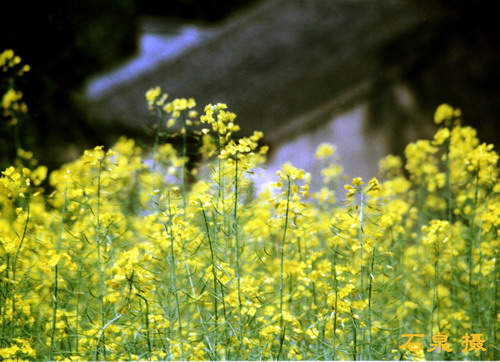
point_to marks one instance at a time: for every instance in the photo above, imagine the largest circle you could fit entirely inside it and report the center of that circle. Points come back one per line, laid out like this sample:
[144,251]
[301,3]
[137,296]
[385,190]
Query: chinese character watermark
[472,342]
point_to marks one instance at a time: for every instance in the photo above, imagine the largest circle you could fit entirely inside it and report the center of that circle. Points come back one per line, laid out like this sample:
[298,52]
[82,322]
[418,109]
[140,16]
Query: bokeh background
[366,75]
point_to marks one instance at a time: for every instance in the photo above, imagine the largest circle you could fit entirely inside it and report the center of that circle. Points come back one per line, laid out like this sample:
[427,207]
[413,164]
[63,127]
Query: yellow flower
[445,112]
[171,122]
[52,258]
[10,97]
[373,185]
[270,331]
[290,172]
[152,94]
[39,175]
[350,190]
[324,150]
[357,181]
[441,136]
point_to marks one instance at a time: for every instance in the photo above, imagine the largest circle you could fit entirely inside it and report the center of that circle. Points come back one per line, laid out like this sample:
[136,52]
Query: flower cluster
[121,261]
[12,105]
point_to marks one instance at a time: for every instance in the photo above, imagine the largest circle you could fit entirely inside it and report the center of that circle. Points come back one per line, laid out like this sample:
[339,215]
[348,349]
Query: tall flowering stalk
[55,295]
[142,259]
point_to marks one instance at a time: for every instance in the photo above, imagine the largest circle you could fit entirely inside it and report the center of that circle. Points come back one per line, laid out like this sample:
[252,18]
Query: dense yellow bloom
[437,231]
[445,112]
[357,181]
[324,150]
[290,172]
[128,259]
[179,104]
[10,97]
[152,95]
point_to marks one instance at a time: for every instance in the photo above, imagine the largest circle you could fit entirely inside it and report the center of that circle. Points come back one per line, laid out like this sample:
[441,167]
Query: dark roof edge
[327,111]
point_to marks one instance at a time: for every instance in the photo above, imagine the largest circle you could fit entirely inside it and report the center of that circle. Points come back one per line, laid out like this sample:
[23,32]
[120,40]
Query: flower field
[133,254]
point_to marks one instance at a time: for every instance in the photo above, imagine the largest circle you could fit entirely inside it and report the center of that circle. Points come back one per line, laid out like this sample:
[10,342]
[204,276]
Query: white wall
[358,149]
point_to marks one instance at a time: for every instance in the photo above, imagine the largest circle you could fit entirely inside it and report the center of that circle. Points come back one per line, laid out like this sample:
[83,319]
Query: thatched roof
[281,60]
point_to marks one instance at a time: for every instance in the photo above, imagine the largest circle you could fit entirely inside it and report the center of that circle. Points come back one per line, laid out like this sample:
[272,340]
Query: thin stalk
[221,199]
[188,271]
[14,268]
[360,234]
[494,310]
[101,335]
[56,275]
[184,207]
[173,275]
[184,165]
[6,296]
[282,259]
[362,264]
[237,246]
[214,275]
[100,263]
[202,322]
[77,319]
[322,343]
[401,270]
[435,295]
[68,336]
[54,312]
[336,311]
[224,313]
[472,301]
[370,339]
[355,338]
[224,226]
[147,326]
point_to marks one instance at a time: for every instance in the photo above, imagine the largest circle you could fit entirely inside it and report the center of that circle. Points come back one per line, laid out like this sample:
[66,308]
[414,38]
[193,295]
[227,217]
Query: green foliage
[127,260]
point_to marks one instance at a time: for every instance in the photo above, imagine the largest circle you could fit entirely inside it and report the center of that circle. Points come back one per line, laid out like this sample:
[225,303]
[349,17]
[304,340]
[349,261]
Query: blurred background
[366,75]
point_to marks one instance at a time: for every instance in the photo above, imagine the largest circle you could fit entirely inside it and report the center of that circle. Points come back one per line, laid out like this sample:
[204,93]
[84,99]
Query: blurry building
[365,75]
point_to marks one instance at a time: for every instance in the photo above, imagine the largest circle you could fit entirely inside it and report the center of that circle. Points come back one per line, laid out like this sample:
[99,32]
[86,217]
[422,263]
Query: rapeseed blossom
[126,259]
[11,105]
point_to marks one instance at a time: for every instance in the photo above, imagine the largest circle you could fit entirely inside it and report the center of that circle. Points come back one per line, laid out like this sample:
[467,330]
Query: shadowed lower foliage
[127,260]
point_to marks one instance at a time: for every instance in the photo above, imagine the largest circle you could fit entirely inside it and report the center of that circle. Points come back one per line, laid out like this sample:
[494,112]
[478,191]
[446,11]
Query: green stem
[282,259]
[5,298]
[336,311]
[362,264]
[77,319]
[221,197]
[14,268]
[214,276]
[237,246]
[370,339]
[191,284]
[355,338]
[100,263]
[494,310]
[56,276]
[184,166]
[147,326]
[472,299]
[186,264]
[202,322]
[173,276]
[101,335]
[435,294]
